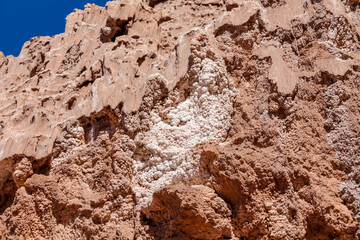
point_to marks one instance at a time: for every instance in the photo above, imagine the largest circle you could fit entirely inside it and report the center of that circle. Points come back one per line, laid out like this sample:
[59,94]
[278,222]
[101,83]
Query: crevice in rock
[141,60]
[85,83]
[153,3]
[70,103]
[83,69]
[231,6]
[42,166]
[7,195]
[114,28]
[273,3]
[37,64]
[164,19]
[33,72]
[106,120]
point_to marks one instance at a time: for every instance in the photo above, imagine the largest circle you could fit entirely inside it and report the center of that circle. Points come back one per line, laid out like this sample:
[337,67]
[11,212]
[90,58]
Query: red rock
[185,120]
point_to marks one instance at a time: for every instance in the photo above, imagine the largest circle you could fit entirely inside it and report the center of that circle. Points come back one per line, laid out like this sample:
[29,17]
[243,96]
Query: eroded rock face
[185,120]
[195,212]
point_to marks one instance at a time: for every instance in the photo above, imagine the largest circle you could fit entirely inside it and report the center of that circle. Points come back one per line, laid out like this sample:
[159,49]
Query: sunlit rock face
[185,120]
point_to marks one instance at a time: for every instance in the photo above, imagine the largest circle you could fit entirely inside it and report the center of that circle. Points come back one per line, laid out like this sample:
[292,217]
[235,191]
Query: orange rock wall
[177,119]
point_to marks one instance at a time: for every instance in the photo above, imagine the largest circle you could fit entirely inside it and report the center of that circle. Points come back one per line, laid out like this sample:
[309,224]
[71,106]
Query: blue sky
[20,20]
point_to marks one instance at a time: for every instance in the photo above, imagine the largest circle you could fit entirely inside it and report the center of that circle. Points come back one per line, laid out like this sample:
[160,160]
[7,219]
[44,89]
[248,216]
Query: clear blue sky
[20,20]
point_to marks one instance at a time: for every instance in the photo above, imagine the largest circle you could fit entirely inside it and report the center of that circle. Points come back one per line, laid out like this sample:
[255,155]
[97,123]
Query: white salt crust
[343,140]
[205,115]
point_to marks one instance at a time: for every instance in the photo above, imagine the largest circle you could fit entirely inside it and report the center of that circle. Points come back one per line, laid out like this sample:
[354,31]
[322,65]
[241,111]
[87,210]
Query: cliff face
[177,119]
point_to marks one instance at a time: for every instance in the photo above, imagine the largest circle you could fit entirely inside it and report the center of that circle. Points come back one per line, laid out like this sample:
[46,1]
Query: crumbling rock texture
[177,119]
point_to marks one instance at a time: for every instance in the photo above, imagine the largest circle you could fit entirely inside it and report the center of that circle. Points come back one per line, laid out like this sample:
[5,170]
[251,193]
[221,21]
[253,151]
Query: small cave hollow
[113,29]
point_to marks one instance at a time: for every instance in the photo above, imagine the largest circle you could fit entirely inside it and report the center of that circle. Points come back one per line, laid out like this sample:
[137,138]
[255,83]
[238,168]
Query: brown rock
[185,120]
[188,212]
[23,170]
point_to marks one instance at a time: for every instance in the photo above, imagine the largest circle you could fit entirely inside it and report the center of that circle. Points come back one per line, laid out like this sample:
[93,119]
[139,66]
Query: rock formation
[179,119]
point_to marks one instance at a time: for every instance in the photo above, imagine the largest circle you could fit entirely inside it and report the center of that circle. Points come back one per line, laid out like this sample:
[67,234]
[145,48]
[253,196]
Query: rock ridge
[178,119]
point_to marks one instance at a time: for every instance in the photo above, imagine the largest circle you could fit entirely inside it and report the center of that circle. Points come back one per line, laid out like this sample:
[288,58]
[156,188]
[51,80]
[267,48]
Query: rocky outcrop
[185,120]
[195,212]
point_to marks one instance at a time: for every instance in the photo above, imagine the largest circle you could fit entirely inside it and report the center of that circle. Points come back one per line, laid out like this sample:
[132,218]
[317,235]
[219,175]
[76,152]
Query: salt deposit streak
[205,115]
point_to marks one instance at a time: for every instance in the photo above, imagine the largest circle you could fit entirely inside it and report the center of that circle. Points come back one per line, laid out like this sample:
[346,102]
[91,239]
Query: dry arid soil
[185,119]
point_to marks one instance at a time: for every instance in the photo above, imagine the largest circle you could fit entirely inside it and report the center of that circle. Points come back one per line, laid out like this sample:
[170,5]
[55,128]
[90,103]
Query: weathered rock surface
[177,119]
